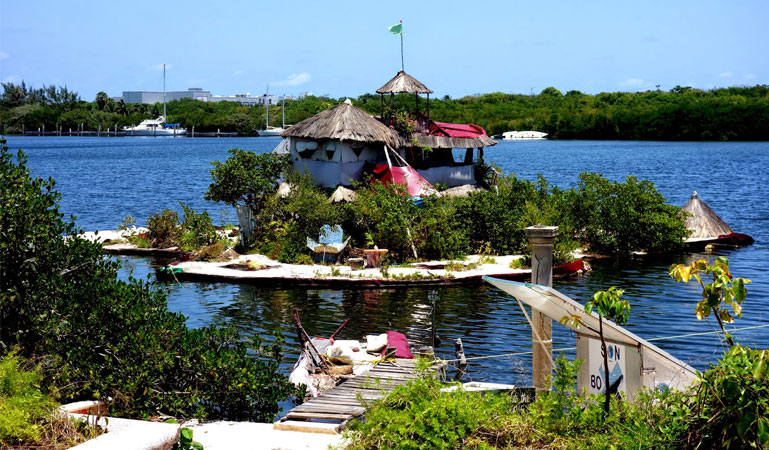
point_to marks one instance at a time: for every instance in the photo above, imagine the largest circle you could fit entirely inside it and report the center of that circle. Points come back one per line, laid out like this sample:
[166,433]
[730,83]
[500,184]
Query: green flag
[396,29]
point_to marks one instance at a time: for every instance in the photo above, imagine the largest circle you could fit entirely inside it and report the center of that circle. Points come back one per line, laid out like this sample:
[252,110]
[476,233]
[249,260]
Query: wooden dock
[330,412]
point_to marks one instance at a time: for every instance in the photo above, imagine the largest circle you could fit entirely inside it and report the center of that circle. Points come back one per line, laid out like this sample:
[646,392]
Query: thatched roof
[344,122]
[704,222]
[403,82]
[450,142]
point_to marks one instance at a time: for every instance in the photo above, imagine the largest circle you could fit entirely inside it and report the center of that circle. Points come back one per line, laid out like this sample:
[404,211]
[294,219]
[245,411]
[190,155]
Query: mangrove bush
[99,337]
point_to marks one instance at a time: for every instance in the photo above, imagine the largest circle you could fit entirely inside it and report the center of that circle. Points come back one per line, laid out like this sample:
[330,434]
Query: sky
[343,48]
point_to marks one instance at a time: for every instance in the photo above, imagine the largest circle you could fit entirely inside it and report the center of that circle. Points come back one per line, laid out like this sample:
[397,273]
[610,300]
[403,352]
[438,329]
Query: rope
[664,338]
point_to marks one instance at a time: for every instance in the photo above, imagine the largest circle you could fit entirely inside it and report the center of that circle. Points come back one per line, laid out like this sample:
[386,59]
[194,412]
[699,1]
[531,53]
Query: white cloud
[239,73]
[4,55]
[725,74]
[750,76]
[12,79]
[294,79]
[160,67]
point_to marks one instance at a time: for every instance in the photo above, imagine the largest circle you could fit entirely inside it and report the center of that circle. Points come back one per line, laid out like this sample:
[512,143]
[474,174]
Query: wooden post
[460,354]
[541,238]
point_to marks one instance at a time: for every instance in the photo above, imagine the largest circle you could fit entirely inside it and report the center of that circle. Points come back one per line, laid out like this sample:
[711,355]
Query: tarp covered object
[407,176]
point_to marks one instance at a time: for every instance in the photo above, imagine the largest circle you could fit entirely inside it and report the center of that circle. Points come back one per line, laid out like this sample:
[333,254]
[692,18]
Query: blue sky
[344,49]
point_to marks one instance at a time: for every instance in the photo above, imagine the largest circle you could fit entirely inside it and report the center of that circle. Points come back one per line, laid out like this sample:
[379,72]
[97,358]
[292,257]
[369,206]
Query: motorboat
[518,135]
[155,127]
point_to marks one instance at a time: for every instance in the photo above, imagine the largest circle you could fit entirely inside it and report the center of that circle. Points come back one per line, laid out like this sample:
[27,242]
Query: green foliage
[289,219]
[386,212]
[61,301]
[717,296]
[164,231]
[619,218]
[419,416]
[23,408]
[734,113]
[493,216]
[186,441]
[247,178]
[731,409]
[197,229]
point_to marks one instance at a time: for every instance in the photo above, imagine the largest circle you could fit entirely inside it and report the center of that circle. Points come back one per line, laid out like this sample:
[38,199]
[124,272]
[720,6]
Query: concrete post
[541,238]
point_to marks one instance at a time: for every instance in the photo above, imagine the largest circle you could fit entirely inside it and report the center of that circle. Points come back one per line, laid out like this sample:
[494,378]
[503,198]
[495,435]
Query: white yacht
[517,135]
[155,127]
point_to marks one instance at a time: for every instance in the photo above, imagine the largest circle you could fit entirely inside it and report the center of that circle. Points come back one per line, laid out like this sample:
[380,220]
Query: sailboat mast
[164,92]
[267,105]
[283,109]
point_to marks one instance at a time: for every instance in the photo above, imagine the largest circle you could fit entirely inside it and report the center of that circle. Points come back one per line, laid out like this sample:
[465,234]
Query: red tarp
[456,130]
[407,176]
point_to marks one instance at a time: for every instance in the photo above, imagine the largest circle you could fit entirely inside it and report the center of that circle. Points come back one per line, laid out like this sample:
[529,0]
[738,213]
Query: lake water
[102,180]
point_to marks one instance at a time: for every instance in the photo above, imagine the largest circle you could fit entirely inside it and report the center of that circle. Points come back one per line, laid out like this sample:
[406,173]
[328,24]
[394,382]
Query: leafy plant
[197,229]
[127,224]
[28,417]
[731,408]
[608,306]
[164,230]
[61,301]
[619,218]
[247,178]
[717,296]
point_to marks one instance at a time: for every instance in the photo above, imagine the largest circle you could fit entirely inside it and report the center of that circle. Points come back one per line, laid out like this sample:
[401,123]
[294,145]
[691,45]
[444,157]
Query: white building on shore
[152,97]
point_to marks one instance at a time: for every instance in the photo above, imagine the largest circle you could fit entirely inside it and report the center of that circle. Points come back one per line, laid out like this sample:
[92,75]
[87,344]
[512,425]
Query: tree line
[683,113]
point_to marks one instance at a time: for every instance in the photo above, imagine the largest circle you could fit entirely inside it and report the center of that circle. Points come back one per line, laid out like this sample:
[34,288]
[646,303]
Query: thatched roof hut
[345,122]
[704,222]
[404,83]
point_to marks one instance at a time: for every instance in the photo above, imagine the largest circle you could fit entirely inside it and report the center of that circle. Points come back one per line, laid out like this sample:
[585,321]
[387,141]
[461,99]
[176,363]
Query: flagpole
[402,67]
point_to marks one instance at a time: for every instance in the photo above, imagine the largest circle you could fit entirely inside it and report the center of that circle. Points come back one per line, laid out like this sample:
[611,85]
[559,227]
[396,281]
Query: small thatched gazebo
[703,222]
[403,83]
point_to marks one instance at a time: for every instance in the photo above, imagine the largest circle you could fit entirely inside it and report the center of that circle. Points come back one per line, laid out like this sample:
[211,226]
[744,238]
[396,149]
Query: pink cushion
[399,342]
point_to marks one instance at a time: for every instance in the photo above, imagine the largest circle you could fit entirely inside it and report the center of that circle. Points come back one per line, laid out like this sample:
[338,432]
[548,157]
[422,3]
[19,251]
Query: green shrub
[23,408]
[99,337]
[294,217]
[197,229]
[731,408]
[493,216]
[29,418]
[437,232]
[387,213]
[619,218]
[164,229]
[247,178]
[419,416]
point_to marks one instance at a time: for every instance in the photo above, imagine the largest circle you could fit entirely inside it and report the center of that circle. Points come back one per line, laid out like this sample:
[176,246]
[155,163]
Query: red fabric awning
[456,130]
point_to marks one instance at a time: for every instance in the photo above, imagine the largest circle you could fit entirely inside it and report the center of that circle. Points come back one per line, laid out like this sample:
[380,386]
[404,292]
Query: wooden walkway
[330,412]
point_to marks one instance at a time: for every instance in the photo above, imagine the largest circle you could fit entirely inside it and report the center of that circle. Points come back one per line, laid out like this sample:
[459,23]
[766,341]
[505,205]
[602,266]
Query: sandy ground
[257,436]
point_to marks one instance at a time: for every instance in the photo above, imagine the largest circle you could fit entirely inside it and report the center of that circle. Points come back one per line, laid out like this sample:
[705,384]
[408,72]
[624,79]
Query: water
[103,180]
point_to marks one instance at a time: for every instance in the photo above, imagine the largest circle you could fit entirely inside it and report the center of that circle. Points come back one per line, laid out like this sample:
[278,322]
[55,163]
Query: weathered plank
[342,403]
